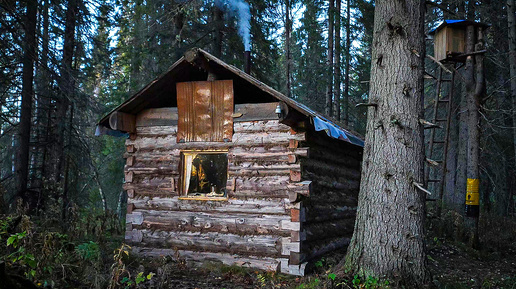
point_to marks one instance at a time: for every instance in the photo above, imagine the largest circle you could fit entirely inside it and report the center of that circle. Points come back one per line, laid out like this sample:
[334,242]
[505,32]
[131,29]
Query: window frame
[183,194]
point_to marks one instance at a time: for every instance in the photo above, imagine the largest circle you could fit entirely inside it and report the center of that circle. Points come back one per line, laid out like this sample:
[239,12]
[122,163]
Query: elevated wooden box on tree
[450,38]
[214,173]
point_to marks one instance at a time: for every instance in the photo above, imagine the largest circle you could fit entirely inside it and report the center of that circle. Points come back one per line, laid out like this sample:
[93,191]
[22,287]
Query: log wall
[257,226]
[333,168]
[292,194]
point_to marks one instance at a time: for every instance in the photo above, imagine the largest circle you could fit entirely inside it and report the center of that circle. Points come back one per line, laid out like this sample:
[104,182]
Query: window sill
[198,198]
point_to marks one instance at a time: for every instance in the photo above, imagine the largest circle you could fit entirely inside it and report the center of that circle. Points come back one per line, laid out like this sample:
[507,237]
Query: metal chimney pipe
[247,62]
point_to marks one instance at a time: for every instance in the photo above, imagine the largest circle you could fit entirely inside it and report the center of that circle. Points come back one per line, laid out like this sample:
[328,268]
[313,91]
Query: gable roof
[195,66]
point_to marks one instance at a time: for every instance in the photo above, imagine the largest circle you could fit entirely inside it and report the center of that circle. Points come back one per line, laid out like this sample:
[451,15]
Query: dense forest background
[66,63]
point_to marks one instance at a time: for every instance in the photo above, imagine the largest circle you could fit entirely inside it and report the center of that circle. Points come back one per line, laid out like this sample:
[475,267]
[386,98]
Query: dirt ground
[451,266]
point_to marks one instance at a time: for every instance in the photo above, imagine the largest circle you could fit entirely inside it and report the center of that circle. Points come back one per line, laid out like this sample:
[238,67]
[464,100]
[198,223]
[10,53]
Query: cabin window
[204,174]
[205,111]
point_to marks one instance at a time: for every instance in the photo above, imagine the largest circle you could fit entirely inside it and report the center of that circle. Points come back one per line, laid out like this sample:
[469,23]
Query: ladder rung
[443,100]
[440,119]
[434,181]
[438,141]
[445,80]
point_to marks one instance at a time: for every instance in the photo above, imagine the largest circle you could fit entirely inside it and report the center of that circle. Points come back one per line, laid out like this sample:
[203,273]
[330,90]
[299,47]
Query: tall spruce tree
[388,237]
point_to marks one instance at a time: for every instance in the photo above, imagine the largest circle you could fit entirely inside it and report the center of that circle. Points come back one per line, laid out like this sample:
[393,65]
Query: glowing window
[204,174]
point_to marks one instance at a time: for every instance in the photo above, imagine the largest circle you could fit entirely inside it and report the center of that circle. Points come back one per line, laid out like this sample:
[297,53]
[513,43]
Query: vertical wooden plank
[203,110]
[217,116]
[184,105]
[228,101]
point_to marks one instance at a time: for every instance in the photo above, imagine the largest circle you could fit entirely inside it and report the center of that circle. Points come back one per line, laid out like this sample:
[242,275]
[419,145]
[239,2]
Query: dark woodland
[257,144]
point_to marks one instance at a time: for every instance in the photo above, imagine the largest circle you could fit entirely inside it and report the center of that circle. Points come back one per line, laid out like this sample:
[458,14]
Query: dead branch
[420,187]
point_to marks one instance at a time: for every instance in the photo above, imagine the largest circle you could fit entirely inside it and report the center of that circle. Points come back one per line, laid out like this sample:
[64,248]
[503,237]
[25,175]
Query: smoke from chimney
[241,10]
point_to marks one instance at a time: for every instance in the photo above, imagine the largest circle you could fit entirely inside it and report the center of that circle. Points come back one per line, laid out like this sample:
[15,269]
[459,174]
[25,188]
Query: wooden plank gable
[205,110]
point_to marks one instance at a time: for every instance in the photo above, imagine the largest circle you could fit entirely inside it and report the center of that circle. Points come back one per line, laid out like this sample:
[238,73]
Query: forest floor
[37,252]
[452,265]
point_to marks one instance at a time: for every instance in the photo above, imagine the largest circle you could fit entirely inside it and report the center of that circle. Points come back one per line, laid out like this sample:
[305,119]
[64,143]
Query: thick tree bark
[338,51]
[22,158]
[288,30]
[511,21]
[388,237]
[329,88]
[347,64]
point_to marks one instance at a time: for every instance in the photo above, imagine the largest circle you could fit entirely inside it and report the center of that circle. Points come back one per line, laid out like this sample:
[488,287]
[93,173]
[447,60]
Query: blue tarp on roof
[334,131]
[460,22]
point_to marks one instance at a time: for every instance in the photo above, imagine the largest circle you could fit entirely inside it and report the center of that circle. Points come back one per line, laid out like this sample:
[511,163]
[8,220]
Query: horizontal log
[317,249]
[262,263]
[288,246]
[325,230]
[234,223]
[239,139]
[325,168]
[156,131]
[328,212]
[247,206]
[168,116]
[122,121]
[150,190]
[216,242]
[333,197]
[165,116]
[260,126]
[333,183]
[330,156]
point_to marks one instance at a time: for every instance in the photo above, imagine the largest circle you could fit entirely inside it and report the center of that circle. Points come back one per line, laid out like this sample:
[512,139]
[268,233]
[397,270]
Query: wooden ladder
[438,167]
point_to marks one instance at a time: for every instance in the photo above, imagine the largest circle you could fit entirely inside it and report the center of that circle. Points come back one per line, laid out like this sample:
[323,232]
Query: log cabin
[221,167]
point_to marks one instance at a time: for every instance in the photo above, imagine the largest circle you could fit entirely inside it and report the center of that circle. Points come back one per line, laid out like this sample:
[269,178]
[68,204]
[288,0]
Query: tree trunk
[347,65]
[338,50]
[512,61]
[288,30]
[217,21]
[472,169]
[329,88]
[66,85]
[22,152]
[43,105]
[388,240]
